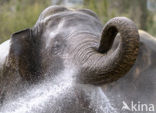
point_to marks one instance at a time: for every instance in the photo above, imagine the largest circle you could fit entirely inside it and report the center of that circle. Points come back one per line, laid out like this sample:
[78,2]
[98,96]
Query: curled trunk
[102,65]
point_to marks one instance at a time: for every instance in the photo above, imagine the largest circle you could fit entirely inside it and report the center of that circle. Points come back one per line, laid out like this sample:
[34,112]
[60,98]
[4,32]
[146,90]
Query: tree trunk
[144,14]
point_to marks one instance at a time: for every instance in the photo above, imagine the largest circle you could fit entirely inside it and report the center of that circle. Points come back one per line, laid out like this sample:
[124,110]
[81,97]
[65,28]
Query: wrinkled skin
[139,84]
[66,64]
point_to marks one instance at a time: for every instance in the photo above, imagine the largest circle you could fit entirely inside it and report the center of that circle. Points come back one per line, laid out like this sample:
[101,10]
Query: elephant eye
[58,45]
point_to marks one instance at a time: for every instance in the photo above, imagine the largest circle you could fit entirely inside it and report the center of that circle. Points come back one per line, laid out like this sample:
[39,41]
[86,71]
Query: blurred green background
[16,15]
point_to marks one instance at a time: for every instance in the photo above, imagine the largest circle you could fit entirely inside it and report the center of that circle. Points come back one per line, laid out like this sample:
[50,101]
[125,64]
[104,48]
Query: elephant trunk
[104,65]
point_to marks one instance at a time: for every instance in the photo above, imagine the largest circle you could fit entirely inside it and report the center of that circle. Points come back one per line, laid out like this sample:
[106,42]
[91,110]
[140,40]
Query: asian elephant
[69,63]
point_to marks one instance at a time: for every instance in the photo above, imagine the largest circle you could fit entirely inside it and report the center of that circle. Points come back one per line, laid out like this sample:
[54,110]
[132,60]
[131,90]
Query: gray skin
[139,84]
[69,63]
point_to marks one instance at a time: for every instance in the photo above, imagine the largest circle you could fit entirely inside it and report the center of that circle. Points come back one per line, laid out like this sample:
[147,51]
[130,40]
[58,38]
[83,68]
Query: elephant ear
[24,54]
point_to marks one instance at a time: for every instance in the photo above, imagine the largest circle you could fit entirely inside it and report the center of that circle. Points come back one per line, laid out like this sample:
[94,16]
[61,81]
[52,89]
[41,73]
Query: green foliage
[151,27]
[104,9]
[17,15]
[133,9]
[100,7]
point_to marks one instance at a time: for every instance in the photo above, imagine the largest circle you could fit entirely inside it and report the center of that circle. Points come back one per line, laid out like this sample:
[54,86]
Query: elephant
[69,63]
[138,85]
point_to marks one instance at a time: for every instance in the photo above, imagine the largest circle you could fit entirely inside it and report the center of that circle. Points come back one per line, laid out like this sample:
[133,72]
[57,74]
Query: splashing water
[51,91]
[98,100]
[38,96]
[103,104]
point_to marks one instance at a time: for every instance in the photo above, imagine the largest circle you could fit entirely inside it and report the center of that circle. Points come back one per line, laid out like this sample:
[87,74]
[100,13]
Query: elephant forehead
[68,23]
[52,10]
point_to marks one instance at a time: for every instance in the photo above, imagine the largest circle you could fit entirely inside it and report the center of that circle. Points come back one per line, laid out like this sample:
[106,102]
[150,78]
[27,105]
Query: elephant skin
[69,63]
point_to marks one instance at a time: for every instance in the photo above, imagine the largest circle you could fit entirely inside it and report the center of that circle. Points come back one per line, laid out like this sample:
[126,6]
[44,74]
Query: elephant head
[78,34]
[66,42]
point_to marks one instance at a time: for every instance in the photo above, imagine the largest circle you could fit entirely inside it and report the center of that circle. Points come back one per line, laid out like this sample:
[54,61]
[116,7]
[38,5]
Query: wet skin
[40,68]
